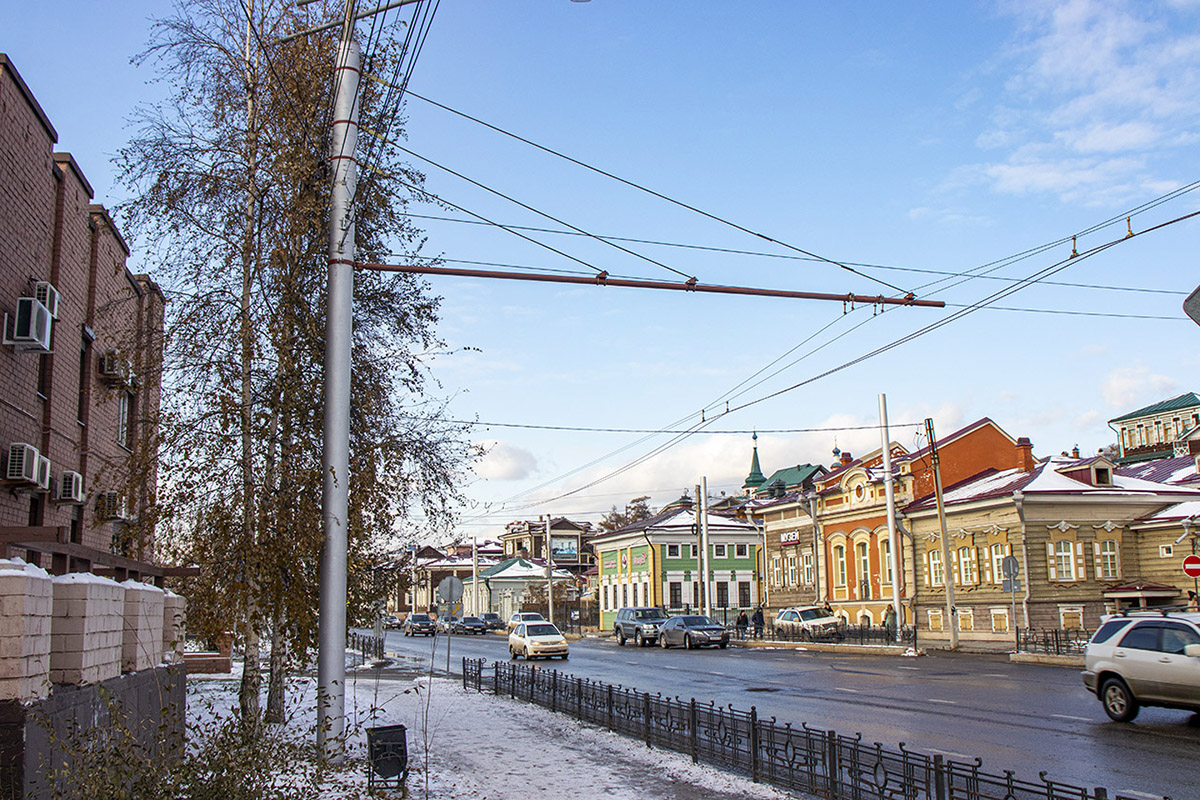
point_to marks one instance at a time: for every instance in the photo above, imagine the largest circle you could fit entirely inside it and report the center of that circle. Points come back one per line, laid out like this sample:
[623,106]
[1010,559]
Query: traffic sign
[450,589]
[1191,566]
[1011,585]
[1010,567]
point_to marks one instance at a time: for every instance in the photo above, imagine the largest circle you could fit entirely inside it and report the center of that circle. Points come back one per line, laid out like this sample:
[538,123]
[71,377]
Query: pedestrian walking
[757,619]
[742,623]
[889,618]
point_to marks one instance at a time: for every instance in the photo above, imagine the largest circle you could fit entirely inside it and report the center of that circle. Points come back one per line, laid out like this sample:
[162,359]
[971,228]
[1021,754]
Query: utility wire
[585,429]
[659,195]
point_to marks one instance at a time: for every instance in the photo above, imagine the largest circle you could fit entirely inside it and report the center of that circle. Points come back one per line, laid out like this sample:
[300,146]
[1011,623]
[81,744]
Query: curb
[824,647]
[1047,659]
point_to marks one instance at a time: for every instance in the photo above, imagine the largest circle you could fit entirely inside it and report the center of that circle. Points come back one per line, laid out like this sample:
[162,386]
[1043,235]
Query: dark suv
[639,624]
[419,624]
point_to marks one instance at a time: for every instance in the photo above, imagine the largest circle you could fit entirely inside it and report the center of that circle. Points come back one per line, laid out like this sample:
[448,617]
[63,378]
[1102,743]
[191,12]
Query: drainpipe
[893,537]
[1019,500]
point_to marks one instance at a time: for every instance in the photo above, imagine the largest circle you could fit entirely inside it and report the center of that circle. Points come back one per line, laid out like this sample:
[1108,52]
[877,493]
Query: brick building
[80,362]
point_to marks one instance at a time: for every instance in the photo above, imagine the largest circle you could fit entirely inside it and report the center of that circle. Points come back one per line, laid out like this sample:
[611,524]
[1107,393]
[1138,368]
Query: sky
[911,142]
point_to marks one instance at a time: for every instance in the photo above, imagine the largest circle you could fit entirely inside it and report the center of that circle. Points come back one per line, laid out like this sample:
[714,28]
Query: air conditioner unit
[111,506]
[43,473]
[22,463]
[48,296]
[115,368]
[70,488]
[31,328]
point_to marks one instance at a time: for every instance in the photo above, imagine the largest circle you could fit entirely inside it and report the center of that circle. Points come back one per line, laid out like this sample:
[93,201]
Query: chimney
[1025,460]
[1075,451]
[846,457]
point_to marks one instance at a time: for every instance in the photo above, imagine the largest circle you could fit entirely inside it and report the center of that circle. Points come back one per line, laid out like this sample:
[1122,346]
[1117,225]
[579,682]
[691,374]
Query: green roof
[755,479]
[794,476]
[1189,400]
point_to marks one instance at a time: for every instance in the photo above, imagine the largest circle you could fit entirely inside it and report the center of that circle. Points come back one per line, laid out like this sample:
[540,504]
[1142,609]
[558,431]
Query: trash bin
[387,755]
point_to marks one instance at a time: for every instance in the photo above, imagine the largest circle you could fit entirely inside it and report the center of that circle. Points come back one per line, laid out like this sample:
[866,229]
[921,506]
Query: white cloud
[505,462]
[1128,388]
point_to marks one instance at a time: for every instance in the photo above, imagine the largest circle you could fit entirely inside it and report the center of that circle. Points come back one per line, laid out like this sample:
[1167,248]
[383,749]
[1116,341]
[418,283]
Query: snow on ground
[478,746]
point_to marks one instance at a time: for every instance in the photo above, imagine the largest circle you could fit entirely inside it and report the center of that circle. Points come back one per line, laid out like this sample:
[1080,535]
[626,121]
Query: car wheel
[564,656]
[512,653]
[639,640]
[620,637]
[723,645]
[662,641]
[1118,701]
[687,642]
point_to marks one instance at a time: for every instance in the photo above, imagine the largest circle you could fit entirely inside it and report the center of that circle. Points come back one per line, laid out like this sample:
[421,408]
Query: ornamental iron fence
[845,634]
[1070,642]
[822,763]
[366,645]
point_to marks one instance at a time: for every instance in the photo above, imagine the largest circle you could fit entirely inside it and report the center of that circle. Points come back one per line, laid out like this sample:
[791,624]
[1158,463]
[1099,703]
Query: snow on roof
[20,565]
[1180,469]
[1179,511]
[521,569]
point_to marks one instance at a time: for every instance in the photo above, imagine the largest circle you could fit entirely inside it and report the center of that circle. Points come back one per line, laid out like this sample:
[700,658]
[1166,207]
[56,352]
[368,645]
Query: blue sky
[928,136]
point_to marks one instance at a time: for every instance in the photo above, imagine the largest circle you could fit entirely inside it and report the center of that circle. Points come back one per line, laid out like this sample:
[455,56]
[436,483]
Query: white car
[523,616]
[814,619]
[537,640]
[1145,659]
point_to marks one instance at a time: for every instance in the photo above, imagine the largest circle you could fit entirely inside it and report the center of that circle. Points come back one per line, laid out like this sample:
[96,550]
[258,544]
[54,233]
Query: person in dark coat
[757,619]
[742,623]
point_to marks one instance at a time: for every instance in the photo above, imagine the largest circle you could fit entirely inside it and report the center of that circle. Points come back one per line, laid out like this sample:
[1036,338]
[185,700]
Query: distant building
[81,361]
[1161,430]
[568,544]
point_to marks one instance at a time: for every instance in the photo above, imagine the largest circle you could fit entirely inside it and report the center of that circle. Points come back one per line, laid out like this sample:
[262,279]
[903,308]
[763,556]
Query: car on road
[814,619]
[469,625]
[391,622]
[493,621]
[1144,659]
[638,623]
[523,616]
[419,624]
[537,639]
[446,623]
[692,631]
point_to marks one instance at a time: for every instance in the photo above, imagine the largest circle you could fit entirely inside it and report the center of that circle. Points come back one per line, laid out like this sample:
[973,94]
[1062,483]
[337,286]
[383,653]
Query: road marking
[995,675]
[668,666]
[914,669]
[952,753]
[944,702]
[722,674]
[842,689]
[1068,716]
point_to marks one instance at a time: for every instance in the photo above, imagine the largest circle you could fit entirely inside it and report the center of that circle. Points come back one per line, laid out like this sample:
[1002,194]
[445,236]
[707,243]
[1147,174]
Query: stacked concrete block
[26,602]
[174,626]
[87,628]
[142,645]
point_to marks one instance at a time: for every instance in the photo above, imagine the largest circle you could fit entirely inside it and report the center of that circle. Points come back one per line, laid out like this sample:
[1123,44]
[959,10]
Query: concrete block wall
[142,643]
[87,628]
[26,603]
[174,627]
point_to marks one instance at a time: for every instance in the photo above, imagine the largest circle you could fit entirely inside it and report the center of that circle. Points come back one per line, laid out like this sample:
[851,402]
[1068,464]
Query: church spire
[755,479]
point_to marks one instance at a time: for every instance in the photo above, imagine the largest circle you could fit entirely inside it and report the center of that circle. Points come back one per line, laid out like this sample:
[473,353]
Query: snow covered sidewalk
[472,745]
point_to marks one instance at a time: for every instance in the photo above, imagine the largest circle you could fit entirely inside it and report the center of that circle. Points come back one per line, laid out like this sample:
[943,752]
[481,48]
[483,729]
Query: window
[966,619]
[742,551]
[85,355]
[645,594]
[696,594]
[792,578]
[886,550]
[1108,559]
[743,594]
[777,571]
[1109,629]
[937,571]
[1175,637]
[1064,561]
[1166,550]
[839,564]
[624,594]
[1142,637]
[675,593]
[672,551]
[1103,476]
[999,551]
[695,551]
[808,569]
[864,571]
[935,619]
[718,551]
[125,419]
[1070,618]
[999,620]
[633,591]
[722,594]
[966,565]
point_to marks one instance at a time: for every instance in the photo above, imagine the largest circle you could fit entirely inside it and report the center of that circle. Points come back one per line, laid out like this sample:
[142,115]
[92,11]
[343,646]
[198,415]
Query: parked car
[493,621]
[638,623]
[1145,659]
[815,619]
[523,616]
[446,623]
[469,625]
[537,639]
[391,622]
[422,624]
[692,631]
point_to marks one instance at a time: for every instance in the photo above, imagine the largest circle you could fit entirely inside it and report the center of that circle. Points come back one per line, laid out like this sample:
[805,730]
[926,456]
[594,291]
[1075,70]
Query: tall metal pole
[331,657]
[549,574]
[890,493]
[947,573]
[703,501]
[475,574]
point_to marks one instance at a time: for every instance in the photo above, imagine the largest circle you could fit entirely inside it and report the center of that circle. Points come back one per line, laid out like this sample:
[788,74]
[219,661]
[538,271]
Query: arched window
[937,571]
[885,548]
[1109,566]
[839,564]
[864,570]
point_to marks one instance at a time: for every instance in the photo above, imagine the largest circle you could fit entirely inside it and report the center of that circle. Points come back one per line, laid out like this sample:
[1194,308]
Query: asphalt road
[1018,717]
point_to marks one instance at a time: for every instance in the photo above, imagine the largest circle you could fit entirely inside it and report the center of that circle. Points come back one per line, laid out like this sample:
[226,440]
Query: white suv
[1145,659]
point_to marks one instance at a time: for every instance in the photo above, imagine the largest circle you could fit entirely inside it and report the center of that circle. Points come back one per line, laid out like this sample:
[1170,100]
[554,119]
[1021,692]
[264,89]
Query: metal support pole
[702,504]
[331,659]
[890,492]
[947,572]
[549,575]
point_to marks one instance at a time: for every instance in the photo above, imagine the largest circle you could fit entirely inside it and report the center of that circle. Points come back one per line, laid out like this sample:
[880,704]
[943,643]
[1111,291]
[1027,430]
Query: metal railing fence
[844,634]
[366,645]
[1072,642]
[822,763]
